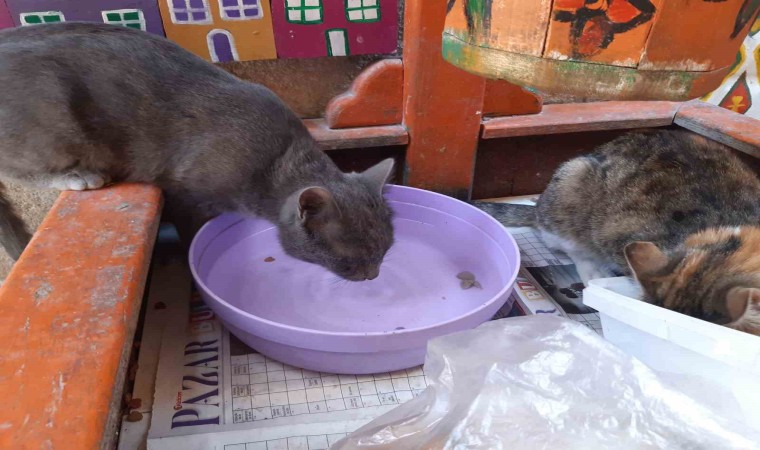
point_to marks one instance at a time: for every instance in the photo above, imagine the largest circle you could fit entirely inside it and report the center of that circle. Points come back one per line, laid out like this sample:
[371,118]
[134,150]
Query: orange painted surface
[516,26]
[253,39]
[442,106]
[507,99]
[600,49]
[607,31]
[68,312]
[373,99]
[695,35]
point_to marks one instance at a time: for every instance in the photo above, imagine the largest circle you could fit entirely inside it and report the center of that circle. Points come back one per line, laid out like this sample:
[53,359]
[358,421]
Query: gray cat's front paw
[76,182]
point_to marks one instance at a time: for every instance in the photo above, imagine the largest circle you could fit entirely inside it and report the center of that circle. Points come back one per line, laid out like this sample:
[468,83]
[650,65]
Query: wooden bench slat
[378,136]
[68,312]
[577,117]
[735,130]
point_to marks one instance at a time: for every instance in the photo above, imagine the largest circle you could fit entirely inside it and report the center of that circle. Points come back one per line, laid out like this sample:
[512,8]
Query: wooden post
[442,106]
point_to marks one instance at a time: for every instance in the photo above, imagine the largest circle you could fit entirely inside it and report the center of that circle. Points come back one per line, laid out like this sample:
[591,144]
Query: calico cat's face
[347,229]
[714,276]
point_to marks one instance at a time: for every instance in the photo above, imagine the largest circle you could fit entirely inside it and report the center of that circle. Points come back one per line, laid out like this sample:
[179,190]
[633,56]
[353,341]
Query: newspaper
[214,392]
[211,391]
[548,282]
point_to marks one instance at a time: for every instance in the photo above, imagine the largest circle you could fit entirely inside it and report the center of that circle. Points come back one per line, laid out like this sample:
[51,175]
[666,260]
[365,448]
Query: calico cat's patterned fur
[679,212]
[85,104]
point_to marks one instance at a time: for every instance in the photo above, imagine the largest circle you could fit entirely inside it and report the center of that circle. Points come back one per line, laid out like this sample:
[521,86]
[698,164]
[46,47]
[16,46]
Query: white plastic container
[672,342]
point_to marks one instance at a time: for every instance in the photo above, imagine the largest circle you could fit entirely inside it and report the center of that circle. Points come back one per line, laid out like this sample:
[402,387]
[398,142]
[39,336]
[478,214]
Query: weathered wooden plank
[697,35]
[575,117]
[582,79]
[603,32]
[735,130]
[68,312]
[514,26]
[380,136]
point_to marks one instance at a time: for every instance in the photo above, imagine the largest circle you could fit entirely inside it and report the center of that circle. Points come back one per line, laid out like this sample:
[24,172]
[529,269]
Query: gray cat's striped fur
[82,105]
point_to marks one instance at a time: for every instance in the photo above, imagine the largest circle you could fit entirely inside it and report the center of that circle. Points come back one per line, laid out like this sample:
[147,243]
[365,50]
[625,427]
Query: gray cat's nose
[373,272]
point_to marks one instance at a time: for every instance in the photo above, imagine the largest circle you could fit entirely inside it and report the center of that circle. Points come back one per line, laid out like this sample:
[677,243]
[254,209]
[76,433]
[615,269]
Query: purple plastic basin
[303,315]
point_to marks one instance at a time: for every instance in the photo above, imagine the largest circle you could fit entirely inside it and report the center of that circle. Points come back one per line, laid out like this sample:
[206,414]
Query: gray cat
[83,105]
[677,211]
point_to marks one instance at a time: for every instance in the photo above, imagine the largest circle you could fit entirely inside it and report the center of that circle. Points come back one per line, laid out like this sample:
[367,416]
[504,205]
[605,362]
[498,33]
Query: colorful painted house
[6,20]
[139,14]
[311,28]
[221,30]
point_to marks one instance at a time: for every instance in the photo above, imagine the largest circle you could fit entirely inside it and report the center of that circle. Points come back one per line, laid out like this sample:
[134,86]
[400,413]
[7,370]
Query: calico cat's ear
[377,175]
[645,258]
[743,305]
[316,207]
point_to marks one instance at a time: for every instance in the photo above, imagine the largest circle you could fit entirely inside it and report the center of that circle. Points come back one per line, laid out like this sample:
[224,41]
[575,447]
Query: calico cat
[82,105]
[677,211]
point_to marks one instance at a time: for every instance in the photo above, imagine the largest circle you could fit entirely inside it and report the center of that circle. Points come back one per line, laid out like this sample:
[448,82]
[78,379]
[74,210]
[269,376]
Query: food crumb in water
[268,259]
[468,280]
[466,276]
[400,328]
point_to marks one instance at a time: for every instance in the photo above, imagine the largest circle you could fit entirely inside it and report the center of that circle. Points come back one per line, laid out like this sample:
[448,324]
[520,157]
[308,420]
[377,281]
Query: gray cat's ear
[645,258]
[743,305]
[316,206]
[377,175]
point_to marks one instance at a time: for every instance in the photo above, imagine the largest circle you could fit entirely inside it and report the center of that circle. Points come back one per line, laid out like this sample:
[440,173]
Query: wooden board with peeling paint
[601,49]
[512,26]
[606,31]
[709,33]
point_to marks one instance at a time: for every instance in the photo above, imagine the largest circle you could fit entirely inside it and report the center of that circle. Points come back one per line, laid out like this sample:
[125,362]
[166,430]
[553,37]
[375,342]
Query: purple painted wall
[295,40]
[5,16]
[89,10]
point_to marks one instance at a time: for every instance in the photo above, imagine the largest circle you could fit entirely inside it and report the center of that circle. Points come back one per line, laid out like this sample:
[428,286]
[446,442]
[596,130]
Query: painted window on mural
[303,11]
[190,11]
[362,10]
[131,18]
[337,42]
[36,18]
[221,46]
[240,9]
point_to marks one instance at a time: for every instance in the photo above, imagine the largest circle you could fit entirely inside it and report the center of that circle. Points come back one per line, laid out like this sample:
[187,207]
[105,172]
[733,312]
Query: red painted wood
[373,99]
[575,117]
[330,139]
[442,106]
[735,130]
[506,99]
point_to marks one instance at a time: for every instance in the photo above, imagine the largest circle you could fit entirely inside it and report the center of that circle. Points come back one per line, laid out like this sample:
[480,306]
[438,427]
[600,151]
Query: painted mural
[139,14]
[311,28]
[594,25]
[6,20]
[233,30]
[740,90]
[221,30]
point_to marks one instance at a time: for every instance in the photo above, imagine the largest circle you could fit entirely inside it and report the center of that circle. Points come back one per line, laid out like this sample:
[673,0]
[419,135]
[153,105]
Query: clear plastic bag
[545,382]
